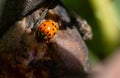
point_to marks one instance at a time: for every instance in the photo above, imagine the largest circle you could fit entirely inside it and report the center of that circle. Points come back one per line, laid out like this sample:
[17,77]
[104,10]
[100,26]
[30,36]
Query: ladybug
[47,30]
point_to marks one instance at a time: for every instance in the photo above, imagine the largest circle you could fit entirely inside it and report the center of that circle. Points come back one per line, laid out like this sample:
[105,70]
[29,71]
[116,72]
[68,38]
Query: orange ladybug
[47,30]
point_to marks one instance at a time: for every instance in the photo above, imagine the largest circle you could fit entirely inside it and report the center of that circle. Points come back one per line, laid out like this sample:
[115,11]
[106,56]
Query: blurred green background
[104,18]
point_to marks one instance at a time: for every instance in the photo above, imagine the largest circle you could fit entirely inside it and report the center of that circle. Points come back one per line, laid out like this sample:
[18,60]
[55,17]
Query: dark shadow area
[14,10]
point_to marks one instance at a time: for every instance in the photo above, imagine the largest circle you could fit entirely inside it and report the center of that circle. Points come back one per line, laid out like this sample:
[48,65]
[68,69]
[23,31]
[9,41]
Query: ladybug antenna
[51,6]
[40,20]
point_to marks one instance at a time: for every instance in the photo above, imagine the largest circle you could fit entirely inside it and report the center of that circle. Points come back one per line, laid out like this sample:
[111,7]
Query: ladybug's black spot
[53,29]
[55,26]
[52,23]
[54,33]
[44,25]
[47,32]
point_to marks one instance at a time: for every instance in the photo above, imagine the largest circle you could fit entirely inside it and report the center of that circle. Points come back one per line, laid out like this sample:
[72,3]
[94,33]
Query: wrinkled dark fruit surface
[63,56]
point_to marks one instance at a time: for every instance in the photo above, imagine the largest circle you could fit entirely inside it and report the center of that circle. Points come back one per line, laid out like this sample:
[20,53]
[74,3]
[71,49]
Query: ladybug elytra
[47,30]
